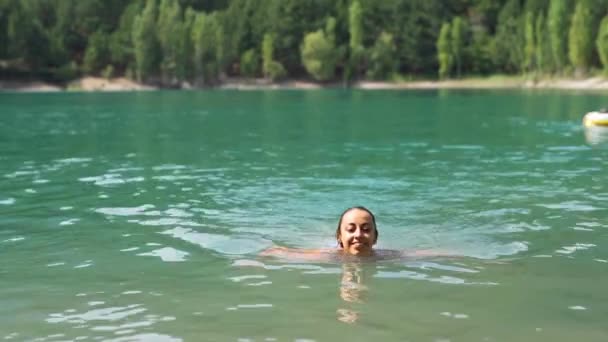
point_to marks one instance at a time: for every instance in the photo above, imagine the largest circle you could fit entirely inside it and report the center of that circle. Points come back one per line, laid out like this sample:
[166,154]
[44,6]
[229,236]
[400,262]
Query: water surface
[139,216]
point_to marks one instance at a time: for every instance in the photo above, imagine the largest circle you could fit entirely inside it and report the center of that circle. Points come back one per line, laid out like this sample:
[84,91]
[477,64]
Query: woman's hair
[338,234]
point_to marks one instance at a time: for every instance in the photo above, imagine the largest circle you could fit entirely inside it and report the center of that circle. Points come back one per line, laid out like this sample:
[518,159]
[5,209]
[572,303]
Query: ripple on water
[110,179]
[167,254]
[574,248]
[99,320]
[570,206]
[69,222]
[102,314]
[7,201]
[15,239]
[249,306]
[128,211]
[223,244]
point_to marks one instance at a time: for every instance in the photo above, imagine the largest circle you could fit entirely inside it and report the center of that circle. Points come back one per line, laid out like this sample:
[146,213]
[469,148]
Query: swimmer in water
[356,236]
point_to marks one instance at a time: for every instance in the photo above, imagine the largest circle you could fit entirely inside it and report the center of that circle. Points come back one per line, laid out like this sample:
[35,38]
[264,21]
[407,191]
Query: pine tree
[557,22]
[457,42]
[355,28]
[444,53]
[543,45]
[170,32]
[145,43]
[530,48]
[580,37]
[510,37]
[602,43]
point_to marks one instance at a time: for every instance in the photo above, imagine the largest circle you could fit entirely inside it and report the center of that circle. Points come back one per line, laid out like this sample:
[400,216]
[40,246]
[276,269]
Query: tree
[557,22]
[510,38]
[207,43]
[249,63]
[121,40]
[480,53]
[457,42]
[145,43]
[319,52]
[530,43]
[26,35]
[415,26]
[543,45]
[602,43]
[444,51]
[382,57]
[97,54]
[271,68]
[580,37]
[355,28]
[170,28]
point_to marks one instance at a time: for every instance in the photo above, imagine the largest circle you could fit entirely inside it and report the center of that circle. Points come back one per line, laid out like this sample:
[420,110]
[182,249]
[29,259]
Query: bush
[108,72]
[319,56]
[381,59]
[96,53]
[66,72]
[275,71]
[249,63]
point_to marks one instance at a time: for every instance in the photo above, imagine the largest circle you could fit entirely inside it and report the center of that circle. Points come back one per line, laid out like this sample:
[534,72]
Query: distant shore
[499,82]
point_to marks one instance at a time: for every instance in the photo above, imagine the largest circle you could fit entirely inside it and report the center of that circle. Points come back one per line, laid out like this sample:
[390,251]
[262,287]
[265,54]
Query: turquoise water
[139,216]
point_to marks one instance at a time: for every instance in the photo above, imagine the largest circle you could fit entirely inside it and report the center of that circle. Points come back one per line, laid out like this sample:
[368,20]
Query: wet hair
[338,234]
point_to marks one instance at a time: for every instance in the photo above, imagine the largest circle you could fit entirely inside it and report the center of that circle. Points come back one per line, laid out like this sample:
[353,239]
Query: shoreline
[121,84]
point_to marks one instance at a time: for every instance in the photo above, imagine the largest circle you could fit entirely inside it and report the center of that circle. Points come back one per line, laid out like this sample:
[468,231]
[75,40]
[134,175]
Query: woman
[356,235]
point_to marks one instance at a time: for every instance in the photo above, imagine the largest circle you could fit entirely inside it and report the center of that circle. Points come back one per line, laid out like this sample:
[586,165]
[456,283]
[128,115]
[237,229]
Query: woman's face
[357,232]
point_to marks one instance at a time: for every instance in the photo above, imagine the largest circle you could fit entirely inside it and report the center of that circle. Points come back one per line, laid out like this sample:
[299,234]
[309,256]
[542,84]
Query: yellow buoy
[596,119]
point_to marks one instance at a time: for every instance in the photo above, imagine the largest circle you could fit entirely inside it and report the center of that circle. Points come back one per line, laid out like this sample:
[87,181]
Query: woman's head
[357,232]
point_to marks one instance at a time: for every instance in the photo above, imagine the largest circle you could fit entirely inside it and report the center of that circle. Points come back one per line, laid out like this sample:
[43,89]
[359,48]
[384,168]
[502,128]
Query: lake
[140,216]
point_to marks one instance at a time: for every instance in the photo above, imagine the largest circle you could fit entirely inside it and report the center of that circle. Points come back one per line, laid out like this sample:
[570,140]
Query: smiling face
[357,232]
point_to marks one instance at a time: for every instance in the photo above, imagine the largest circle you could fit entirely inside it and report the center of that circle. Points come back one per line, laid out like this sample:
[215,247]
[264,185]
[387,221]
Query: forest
[171,43]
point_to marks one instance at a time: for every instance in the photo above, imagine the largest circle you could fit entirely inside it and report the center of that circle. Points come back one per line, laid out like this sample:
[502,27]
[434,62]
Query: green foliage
[145,43]
[171,36]
[275,71]
[120,41]
[602,43]
[382,57]
[66,72]
[319,52]
[356,48]
[26,34]
[271,68]
[171,41]
[457,42]
[543,45]
[481,53]
[580,37]
[355,25]
[207,40]
[509,38]
[415,26]
[530,42]
[97,53]
[249,65]
[444,51]
[108,72]
[557,21]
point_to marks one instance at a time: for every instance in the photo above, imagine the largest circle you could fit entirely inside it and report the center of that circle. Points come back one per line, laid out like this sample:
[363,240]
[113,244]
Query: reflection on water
[597,136]
[352,291]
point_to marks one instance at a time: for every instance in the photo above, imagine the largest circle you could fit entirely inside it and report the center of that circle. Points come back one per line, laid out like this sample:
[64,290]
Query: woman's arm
[297,254]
